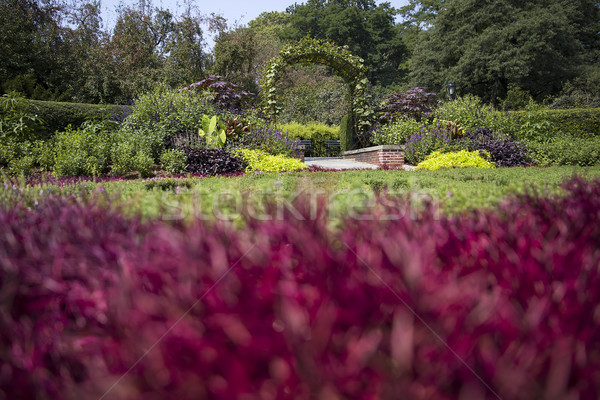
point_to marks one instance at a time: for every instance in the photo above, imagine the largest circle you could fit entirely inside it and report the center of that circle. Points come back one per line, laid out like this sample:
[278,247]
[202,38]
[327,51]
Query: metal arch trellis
[313,51]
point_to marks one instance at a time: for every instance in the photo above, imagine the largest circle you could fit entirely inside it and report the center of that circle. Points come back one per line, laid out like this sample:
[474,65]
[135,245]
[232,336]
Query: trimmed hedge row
[317,132]
[57,116]
[566,151]
[347,133]
[577,122]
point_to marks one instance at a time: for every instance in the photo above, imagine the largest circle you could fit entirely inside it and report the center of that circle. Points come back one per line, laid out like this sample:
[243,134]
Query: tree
[146,47]
[86,38]
[420,13]
[483,46]
[187,60]
[367,29]
[33,48]
[417,16]
[235,57]
[241,53]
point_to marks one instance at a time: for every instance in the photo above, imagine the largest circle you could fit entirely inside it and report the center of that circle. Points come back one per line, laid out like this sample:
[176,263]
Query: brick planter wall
[392,156]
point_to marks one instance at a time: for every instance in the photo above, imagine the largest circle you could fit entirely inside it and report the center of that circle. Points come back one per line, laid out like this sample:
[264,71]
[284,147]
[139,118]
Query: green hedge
[57,116]
[396,132]
[317,132]
[347,133]
[580,123]
[566,151]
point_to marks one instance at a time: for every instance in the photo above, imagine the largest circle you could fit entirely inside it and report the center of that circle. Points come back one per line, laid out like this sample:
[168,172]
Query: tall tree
[86,38]
[33,48]
[241,53]
[187,61]
[147,47]
[369,30]
[417,16]
[485,45]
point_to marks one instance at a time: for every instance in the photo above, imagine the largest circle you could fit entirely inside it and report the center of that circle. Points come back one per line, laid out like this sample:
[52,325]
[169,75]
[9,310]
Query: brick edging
[389,155]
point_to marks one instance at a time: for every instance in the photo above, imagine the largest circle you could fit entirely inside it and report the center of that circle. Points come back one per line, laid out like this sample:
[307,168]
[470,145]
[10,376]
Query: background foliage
[316,132]
[62,50]
[485,46]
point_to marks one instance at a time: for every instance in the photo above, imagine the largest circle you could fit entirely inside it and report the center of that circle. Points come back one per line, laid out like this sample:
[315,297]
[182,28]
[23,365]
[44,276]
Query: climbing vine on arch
[313,51]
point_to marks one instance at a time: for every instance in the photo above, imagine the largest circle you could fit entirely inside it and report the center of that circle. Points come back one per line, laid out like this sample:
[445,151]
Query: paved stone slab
[337,163]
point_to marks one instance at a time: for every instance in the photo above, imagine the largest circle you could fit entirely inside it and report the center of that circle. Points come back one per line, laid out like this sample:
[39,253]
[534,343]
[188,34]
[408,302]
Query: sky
[236,12]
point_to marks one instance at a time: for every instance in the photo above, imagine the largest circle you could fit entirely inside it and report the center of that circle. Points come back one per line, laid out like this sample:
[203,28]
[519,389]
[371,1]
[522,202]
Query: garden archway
[346,65]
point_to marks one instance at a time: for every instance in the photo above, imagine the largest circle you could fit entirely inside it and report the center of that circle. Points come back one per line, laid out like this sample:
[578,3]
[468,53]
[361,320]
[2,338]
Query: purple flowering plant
[420,145]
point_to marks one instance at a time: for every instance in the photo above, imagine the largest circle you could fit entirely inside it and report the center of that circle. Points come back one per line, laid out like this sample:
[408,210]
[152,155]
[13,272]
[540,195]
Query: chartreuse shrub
[396,132]
[507,296]
[316,132]
[84,151]
[260,161]
[460,159]
[503,151]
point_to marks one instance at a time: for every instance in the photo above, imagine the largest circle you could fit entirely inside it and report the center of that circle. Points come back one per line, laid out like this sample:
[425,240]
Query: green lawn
[454,190]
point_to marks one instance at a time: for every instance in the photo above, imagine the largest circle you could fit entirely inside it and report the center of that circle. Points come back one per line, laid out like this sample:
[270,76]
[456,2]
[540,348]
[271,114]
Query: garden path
[337,163]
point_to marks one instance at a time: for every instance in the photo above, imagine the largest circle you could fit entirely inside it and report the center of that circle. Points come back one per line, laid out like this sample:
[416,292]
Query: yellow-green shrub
[260,161]
[317,132]
[463,159]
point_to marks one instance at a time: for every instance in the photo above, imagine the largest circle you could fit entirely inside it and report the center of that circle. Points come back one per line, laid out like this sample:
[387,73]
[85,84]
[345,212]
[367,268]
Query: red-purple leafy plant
[212,162]
[491,304]
[415,103]
[503,151]
[228,96]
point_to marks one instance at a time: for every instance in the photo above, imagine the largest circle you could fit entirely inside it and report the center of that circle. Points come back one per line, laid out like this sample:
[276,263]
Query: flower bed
[486,304]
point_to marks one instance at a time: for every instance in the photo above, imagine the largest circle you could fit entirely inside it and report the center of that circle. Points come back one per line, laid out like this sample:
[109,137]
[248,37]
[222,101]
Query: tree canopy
[368,29]
[33,48]
[485,45]
[60,49]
